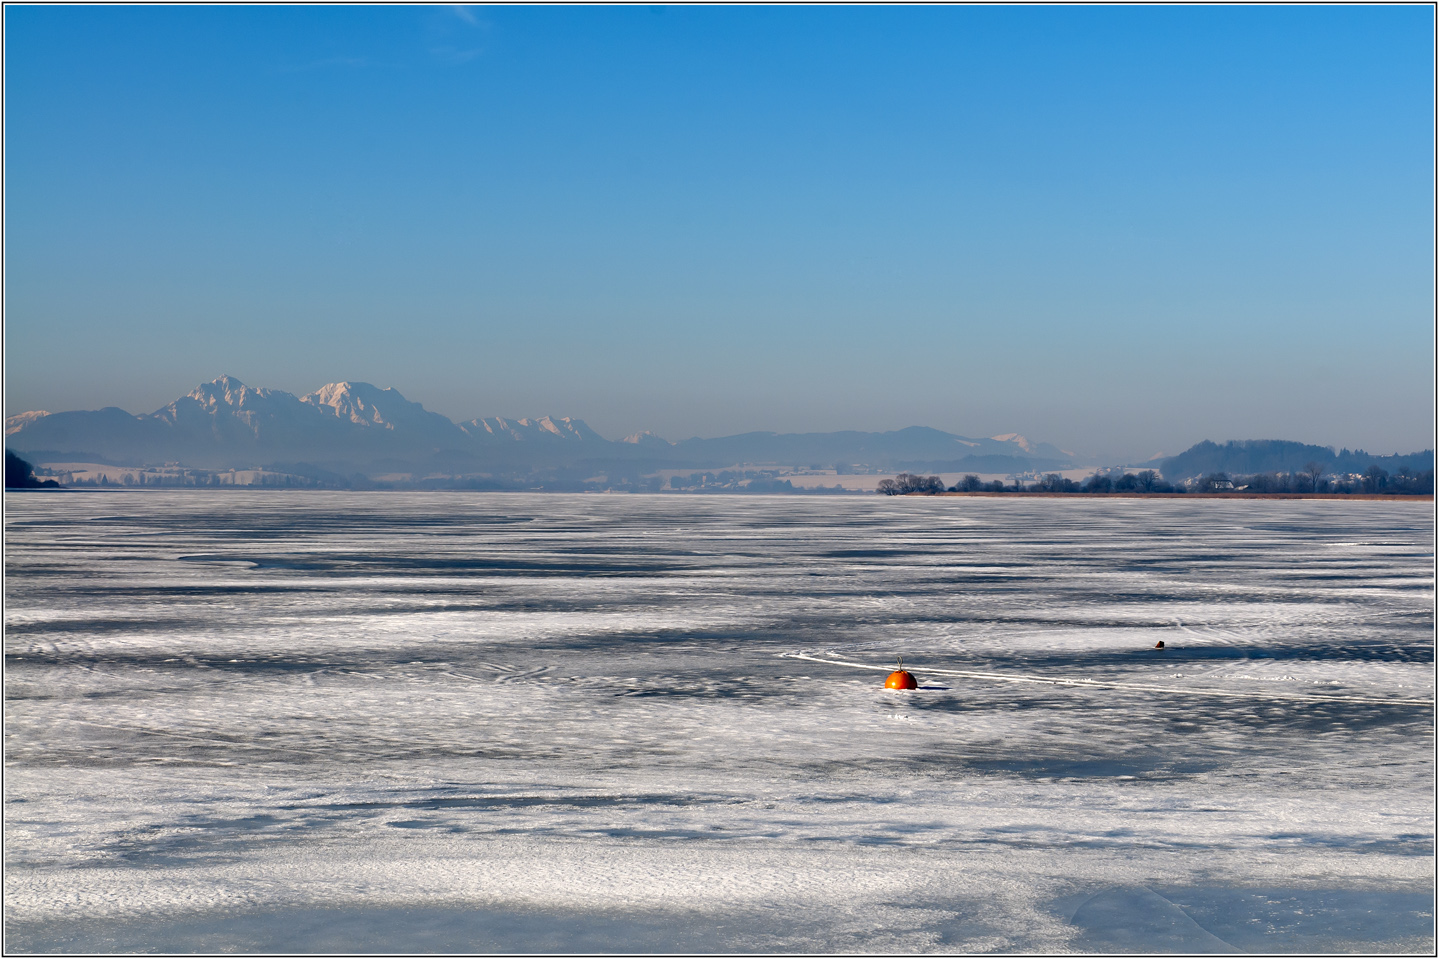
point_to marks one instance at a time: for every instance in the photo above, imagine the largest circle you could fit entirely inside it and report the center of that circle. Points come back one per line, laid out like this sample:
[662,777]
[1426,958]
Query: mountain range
[354,427]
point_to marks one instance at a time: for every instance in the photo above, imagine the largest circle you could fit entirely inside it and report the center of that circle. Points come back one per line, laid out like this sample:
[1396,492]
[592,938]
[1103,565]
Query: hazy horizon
[1129,458]
[1120,230]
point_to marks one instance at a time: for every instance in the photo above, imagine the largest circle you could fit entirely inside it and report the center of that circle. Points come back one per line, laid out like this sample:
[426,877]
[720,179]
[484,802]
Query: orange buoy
[900,679]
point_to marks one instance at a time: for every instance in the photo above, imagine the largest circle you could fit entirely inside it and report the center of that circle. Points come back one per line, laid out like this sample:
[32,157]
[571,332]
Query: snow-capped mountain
[544,429]
[226,410]
[1043,450]
[371,408]
[228,393]
[16,423]
[646,438]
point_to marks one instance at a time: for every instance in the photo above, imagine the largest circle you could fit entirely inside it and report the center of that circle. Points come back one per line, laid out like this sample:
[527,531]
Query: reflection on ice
[488,722]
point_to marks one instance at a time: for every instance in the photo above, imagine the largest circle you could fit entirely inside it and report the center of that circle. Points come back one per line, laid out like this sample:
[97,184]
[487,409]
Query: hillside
[1245,457]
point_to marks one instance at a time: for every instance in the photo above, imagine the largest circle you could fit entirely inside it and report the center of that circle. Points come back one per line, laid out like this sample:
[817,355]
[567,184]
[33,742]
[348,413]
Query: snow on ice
[279,721]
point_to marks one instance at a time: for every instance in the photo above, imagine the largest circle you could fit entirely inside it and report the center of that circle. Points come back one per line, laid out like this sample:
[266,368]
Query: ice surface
[489,722]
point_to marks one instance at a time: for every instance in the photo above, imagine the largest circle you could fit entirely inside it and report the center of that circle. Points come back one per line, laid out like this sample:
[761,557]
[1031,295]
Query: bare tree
[1054,483]
[1315,471]
[912,483]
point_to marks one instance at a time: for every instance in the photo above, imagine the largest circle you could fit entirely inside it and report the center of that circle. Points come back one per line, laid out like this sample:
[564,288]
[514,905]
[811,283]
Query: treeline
[186,479]
[1373,480]
[1147,481]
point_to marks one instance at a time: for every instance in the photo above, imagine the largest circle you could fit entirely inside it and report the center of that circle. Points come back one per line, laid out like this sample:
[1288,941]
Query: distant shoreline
[1407,497]
[1371,497]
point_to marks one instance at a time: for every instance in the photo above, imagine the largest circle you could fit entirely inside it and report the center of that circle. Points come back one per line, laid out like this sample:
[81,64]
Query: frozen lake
[275,721]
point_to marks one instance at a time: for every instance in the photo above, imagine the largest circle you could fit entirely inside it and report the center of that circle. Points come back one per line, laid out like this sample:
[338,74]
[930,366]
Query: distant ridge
[348,427]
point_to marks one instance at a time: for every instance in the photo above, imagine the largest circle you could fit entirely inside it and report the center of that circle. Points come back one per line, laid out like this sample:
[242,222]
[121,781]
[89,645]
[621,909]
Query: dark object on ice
[19,474]
[900,679]
[1159,645]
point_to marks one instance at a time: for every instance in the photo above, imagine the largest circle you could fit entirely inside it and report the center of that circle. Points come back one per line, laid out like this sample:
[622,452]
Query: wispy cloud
[325,64]
[453,36]
[455,55]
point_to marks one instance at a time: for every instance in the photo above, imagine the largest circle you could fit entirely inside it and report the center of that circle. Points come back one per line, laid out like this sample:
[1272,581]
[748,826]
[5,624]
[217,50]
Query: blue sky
[1119,229]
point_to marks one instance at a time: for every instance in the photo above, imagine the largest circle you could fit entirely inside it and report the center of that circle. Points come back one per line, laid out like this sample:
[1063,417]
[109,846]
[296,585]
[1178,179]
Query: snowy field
[504,722]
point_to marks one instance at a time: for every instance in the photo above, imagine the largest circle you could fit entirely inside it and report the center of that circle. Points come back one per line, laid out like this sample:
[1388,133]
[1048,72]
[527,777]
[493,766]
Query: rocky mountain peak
[646,438]
[228,392]
[362,403]
[16,423]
